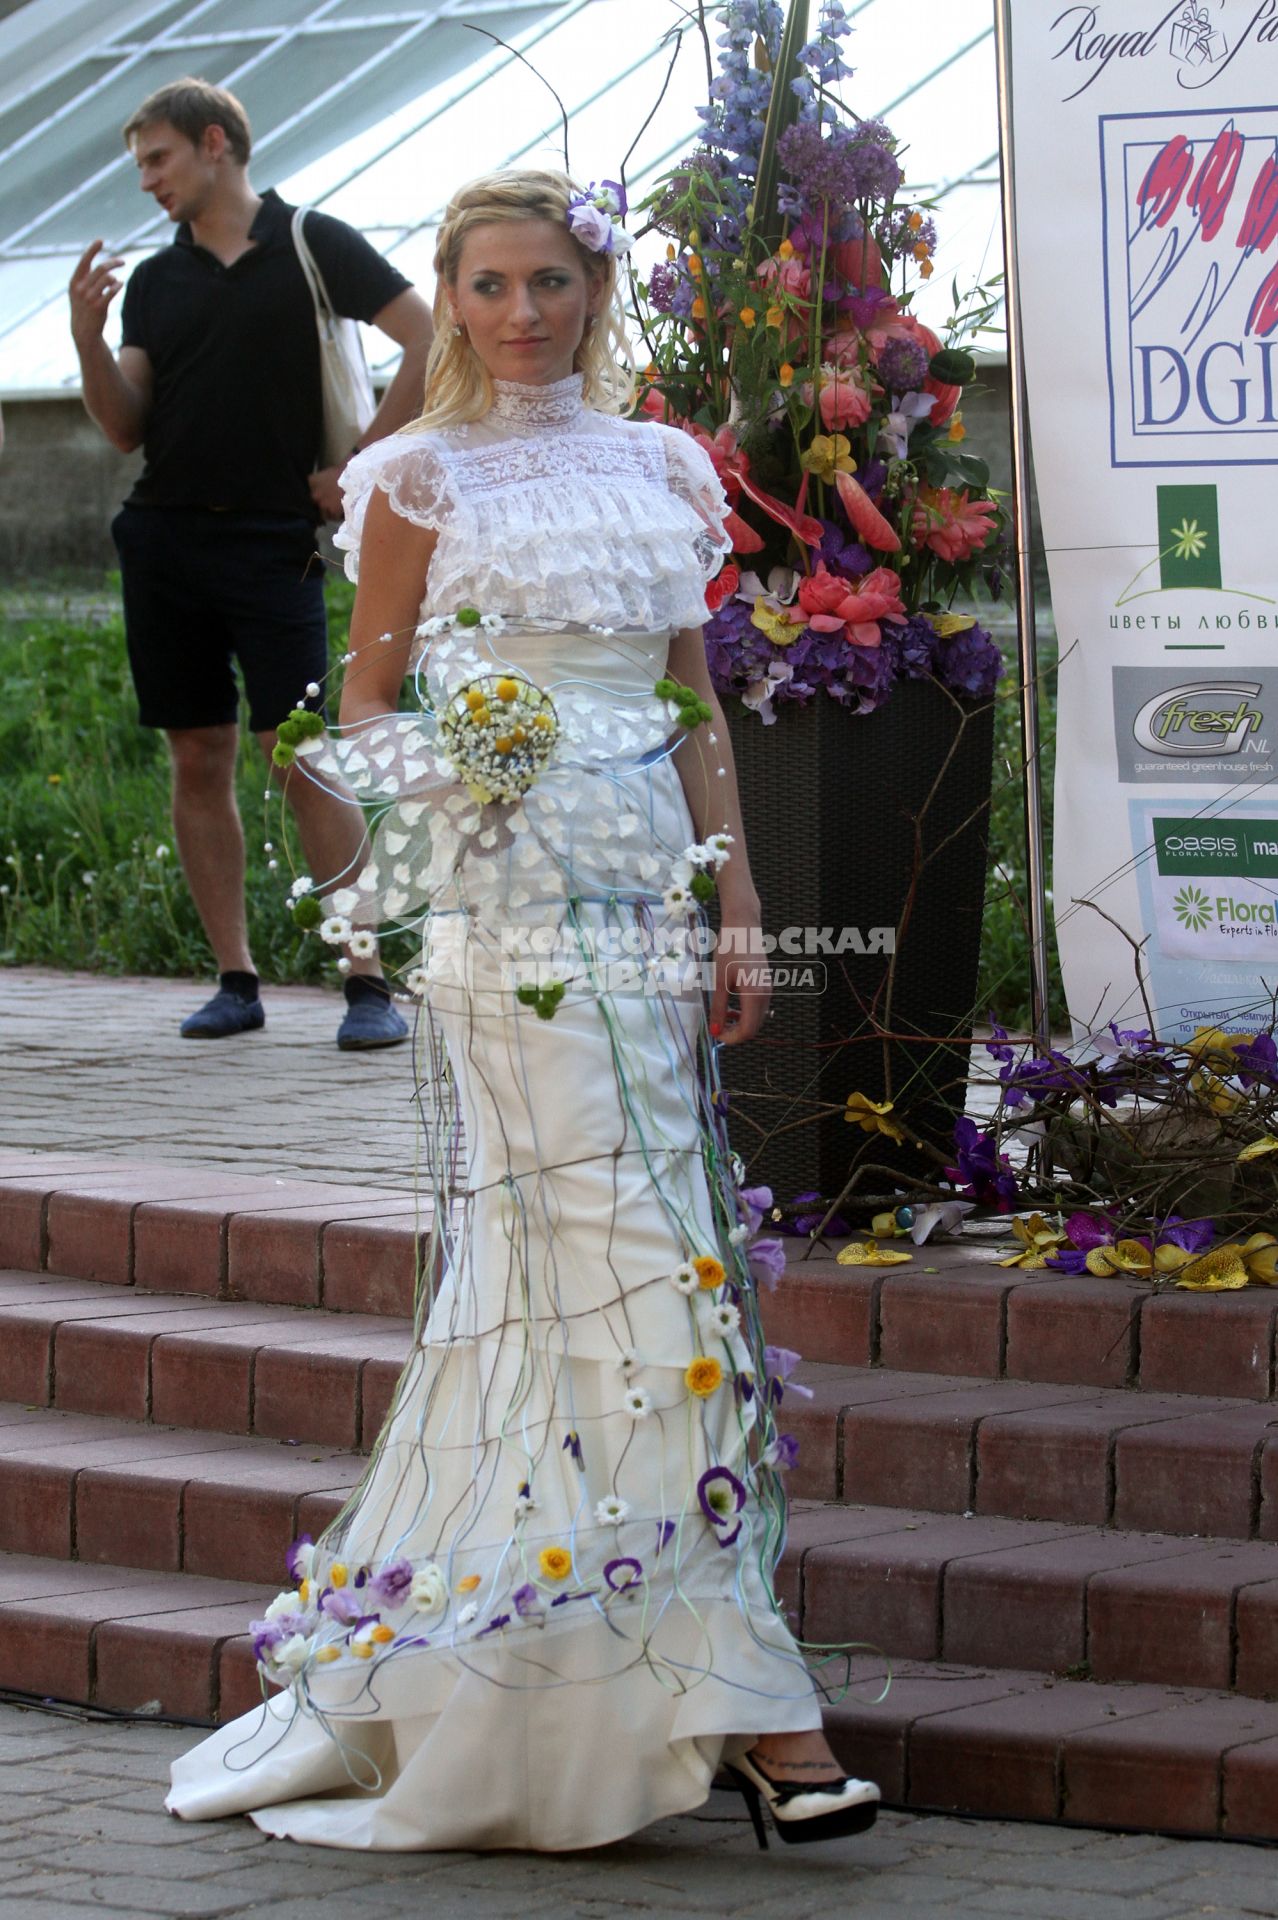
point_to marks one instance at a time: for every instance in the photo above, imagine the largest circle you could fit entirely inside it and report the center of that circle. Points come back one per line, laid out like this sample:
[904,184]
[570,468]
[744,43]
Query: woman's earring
[457,329]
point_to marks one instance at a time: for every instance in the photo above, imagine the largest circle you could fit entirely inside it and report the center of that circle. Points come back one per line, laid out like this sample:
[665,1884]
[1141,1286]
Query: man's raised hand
[93,288]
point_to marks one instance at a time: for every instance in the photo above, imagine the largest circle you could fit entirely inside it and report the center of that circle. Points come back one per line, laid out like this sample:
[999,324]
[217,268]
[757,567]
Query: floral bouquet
[782,339]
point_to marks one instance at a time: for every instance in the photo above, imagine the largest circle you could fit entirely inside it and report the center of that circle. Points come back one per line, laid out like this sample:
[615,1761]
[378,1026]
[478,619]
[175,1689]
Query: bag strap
[310,266]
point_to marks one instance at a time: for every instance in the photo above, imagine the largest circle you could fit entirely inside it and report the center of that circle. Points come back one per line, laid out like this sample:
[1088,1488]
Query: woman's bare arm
[394,559]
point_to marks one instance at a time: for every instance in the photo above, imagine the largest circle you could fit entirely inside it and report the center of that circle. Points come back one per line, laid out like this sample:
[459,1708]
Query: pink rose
[590,226]
[844,402]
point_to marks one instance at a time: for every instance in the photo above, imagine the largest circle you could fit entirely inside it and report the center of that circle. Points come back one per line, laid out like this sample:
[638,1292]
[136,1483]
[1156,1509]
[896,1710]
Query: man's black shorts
[204,589]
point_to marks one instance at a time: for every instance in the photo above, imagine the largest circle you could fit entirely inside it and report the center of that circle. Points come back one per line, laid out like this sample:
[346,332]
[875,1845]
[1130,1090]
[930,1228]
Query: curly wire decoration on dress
[595,217]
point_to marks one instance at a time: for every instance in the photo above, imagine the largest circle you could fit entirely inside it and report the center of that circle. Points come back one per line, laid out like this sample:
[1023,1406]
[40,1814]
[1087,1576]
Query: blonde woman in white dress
[547,1616]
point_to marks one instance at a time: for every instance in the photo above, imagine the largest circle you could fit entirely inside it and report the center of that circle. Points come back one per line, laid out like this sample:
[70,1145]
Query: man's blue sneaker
[226,1013]
[371,1021]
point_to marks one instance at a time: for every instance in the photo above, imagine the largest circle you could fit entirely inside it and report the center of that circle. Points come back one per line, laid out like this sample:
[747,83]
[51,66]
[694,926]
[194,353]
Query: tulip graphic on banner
[1188,537]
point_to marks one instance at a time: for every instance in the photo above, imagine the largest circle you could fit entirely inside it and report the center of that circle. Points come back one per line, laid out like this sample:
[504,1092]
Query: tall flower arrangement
[781,337]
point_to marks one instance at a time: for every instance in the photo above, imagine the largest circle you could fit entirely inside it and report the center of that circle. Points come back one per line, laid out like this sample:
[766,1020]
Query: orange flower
[748,316]
[775,316]
[709,1270]
[698,308]
[703,1377]
[786,375]
[468,1582]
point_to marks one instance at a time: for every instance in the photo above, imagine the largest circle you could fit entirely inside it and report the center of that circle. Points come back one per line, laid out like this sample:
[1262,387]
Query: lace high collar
[556,405]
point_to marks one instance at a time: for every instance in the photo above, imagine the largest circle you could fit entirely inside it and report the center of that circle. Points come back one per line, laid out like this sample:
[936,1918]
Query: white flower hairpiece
[595,217]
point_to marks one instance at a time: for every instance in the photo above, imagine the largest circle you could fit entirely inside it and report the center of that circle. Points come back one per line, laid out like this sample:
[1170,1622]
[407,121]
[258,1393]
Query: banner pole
[1027,637]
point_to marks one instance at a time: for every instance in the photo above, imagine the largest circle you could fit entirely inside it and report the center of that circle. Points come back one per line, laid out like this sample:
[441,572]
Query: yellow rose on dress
[555,1562]
[703,1377]
[709,1271]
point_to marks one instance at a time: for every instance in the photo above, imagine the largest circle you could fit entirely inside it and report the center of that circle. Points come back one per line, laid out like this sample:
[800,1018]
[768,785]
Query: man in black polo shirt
[218,378]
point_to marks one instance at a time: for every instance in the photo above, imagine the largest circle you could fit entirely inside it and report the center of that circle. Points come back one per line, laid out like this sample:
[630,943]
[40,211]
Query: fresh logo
[1193,909]
[1201,719]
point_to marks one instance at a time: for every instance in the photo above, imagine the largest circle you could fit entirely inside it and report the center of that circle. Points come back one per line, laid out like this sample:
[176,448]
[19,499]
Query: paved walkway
[82,1831]
[91,1064]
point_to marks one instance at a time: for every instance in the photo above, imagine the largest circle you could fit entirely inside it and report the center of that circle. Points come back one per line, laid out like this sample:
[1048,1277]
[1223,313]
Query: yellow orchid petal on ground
[1215,1094]
[1268,1143]
[1262,1261]
[884,1227]
[1169,1258]
[1208,1040]
[1129,1256]
[1031,1260]
[1098,1261]
[1220,1271]
[868,1253]
[872,1115]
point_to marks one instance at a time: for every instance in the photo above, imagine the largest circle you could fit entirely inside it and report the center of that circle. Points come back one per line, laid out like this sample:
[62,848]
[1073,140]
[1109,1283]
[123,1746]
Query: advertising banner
[1146,153]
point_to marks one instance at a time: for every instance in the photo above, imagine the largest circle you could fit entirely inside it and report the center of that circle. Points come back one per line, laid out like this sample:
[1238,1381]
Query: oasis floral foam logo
[1193,909]
[1191,286]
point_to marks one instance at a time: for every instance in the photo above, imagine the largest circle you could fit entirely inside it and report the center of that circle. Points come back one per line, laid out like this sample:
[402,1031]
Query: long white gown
[548,1610]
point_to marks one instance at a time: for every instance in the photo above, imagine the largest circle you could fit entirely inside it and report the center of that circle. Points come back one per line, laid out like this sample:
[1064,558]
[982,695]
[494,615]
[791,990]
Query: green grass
[91,879]
[90,873]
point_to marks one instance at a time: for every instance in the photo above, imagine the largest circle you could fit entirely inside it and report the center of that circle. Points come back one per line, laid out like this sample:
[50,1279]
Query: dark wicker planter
[838,816]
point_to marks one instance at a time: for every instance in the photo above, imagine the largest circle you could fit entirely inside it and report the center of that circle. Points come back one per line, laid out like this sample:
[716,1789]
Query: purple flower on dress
[297,1560]
[722,1498]
[572,1445]
[527,1602]
[757,1201]
[665,1533]
[782,1453]
[340,1604]
[267,1635]
[498,1621]
[390,1587]
[623,1573]
[780,1363]
[766,1259]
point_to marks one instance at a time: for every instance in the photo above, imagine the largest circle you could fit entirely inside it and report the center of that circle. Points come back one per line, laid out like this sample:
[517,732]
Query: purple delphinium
[969,663]
[663,283]
[902,364]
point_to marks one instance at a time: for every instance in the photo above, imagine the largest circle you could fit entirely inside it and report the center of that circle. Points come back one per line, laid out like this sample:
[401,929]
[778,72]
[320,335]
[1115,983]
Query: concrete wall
[60,483]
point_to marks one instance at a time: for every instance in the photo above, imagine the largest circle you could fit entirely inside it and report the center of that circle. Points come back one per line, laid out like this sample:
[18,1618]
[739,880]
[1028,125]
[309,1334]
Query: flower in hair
[595,217]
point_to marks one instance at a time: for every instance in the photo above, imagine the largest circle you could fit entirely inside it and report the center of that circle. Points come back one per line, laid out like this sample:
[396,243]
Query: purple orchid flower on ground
[1257,1059]
[984,1173]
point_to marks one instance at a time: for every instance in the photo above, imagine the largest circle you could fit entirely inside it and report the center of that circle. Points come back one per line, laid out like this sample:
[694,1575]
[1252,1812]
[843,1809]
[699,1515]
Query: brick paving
[89,1063]
[83,1831]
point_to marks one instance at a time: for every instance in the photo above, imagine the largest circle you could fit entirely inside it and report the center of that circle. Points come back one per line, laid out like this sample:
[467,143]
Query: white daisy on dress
[637,1402]
[677,899]
[336,930]
[418,982]
[524,1505]
[685,1279]
[628,1360]
[302,884]
[363,945]
[610,1511]
[723,1318]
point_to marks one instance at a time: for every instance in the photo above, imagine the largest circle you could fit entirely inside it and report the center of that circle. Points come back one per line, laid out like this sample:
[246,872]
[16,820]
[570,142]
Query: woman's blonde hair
[458,385]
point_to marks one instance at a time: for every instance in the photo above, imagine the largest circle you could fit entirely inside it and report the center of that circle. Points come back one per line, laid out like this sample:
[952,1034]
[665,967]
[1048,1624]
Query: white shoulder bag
[347,389]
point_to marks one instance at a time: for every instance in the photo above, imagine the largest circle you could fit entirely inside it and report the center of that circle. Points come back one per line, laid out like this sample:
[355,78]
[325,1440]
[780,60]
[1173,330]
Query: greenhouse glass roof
[376,109]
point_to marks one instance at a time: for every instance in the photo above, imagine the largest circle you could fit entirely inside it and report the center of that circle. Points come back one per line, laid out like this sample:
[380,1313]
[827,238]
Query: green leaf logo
[1193,909]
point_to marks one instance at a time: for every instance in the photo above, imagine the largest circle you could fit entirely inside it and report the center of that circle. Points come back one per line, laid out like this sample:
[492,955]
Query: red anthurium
[864,516]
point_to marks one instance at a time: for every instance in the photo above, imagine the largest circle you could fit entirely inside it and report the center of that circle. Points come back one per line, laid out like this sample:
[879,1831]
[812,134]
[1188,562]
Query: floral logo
[1193,909]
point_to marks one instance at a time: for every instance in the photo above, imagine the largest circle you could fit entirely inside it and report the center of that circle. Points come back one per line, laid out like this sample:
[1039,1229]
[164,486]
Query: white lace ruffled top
[550,511]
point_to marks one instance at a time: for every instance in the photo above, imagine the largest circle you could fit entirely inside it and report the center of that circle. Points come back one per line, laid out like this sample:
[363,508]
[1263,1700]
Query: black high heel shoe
[801,1813]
